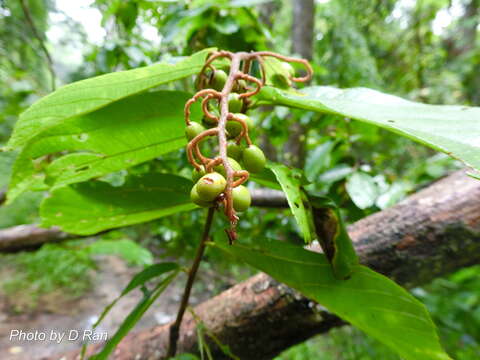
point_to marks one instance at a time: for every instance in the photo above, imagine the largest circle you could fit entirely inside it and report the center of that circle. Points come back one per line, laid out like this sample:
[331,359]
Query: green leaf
[335,173]
[275,73]
[266,178]
[115,137]
[185,357]
[367,300]
[134,316]
[127,249]
[88,95]
[333,236]
[291,181]
[393,195]
[454,130]
[149,273]
[6,161]
[319,159]
[88,208]
[362,189]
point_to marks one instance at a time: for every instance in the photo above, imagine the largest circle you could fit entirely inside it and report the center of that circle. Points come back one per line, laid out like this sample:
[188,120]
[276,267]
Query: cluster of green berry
[210,186]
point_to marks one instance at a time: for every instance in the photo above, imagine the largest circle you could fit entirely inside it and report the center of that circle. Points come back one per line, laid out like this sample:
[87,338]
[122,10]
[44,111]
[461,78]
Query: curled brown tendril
[240,69]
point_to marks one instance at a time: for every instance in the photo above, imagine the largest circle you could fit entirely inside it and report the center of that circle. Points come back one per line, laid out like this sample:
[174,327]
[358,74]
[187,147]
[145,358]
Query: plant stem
[175,328]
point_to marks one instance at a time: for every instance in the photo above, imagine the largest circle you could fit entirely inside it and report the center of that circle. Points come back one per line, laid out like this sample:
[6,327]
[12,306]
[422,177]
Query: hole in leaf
[83,168]
[81,137]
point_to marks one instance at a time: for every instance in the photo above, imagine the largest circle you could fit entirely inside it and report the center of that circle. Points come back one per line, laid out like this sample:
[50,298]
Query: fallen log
[29,237]
[429,234]
[26,237]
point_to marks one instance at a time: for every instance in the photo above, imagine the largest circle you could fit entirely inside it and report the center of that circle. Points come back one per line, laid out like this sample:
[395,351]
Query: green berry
[234,151]
[193,130]
[235,104]
[241,198]
[234,128]
[197,174]
[196,199]
[211,185]
[208,123]
[245,118]
[240,86]
[219,79]
[253,159]
[233,163]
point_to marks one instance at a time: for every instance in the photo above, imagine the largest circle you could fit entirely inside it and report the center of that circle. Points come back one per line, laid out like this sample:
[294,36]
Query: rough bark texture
[432,232]
[25,237]
[427,235]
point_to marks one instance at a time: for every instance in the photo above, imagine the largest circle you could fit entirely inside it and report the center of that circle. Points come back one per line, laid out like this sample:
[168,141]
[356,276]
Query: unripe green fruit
[245,118]
[235,104]
[219,79]
[193,129]
[234,128]
[240,86]
[253,159]
[197,174]
[233,163]
[241,198]
[234,151]
[208,123]
[210,186]
[196,199]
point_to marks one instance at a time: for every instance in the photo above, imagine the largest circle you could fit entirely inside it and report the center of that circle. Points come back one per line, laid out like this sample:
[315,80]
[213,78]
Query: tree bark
[302,28]
[427,235]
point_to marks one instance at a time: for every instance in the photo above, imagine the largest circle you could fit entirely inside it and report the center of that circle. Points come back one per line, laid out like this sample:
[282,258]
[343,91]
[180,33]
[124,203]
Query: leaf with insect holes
[116,137]
[367,300]
[85,96]
[291,181]
[454,130]
[332,236]
[90,207]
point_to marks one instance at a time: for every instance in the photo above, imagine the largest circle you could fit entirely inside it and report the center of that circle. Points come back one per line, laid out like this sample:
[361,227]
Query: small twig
[175,328]
[35,32]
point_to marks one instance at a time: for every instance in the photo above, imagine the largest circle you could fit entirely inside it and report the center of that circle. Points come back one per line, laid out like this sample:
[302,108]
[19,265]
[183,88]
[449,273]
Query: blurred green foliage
[425,50]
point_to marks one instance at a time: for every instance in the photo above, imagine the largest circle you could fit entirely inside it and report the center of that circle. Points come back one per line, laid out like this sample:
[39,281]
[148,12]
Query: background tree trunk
[302,44]
[429,234]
